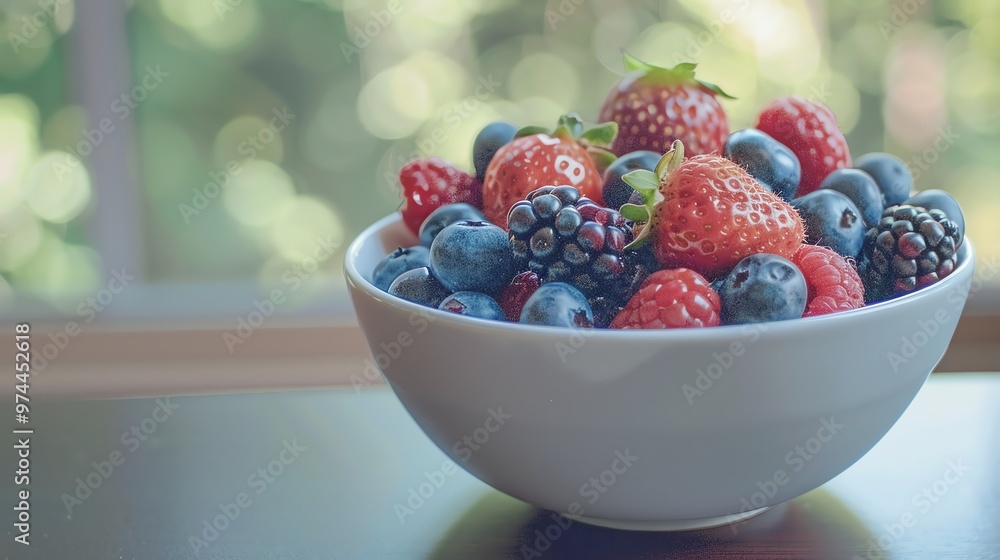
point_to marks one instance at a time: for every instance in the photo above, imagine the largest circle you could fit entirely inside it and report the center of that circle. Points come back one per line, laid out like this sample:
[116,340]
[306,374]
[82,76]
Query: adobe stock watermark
[591,492]
[38,20]
[705,378]
[292,280]
[131,440]
[926,329]
[923,161]
[902,11]
[249,148]
[464,448]
[224,7]
[87,310]
[452,117]
[795,460]
[556,16]
[122,107]
[575,341]
[696,45]
[390,351]
[921,503]
[362,36]
[258,481]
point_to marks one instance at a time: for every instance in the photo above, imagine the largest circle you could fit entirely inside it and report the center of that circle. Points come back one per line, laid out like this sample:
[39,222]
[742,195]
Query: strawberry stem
[682,73]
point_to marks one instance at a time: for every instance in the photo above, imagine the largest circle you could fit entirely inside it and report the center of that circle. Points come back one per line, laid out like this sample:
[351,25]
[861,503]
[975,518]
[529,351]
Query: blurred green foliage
[300,112]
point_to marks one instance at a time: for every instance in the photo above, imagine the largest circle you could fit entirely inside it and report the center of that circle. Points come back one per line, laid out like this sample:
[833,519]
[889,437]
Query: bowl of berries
[654,323]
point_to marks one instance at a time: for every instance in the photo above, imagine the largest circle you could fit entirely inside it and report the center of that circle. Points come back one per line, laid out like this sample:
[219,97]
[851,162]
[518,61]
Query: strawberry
[810,130]
[429,183]
[671,299]
[833,283]
[707,213]
[654,106]
[537,158]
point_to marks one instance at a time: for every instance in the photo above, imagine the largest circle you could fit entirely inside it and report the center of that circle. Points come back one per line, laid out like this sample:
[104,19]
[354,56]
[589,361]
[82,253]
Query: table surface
[343,462]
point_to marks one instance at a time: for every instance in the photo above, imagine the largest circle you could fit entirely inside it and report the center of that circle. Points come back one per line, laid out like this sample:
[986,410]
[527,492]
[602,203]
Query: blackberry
[564,237]
[909,248]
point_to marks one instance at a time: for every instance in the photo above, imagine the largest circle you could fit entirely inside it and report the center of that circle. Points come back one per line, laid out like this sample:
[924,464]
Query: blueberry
[616,192]
[832,220]
[761,288]
[768,161]
[473,256]
[419,286]
[558,305]
[473,304]
[444,217]
[398,262]
[861,189]
[940,200]
[490,139]
[891,175]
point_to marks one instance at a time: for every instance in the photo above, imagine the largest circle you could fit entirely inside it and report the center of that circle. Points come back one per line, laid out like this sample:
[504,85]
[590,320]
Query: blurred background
[197,144]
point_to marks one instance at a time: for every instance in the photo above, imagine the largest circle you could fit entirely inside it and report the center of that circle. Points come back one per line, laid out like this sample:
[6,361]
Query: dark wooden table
[325,475]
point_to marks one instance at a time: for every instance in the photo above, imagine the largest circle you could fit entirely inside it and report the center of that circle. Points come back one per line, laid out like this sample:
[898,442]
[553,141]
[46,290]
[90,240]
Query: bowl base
[676,525]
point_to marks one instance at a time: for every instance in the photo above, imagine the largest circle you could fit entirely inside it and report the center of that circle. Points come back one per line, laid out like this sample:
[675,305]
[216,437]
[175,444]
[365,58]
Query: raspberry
[512,297]
[833,283]
[671,299]
[430,183]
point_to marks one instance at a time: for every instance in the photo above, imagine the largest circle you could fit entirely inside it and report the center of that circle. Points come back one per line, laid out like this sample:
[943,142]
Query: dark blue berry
[861,189]
[559,305]
[832,220]
[473,304]
[890,174]
[768,161]
[761,288]
[936,199]
[398,262]
[444,217]
[419,286]
[473,256]
[616,192]
[490,139]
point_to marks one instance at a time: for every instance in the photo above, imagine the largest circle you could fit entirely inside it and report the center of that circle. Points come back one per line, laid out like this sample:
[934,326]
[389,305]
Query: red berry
[834,285]
[531,162]
[810,130]
[671,299]
[429,183]
[512,298]
[713,214]
[654,106]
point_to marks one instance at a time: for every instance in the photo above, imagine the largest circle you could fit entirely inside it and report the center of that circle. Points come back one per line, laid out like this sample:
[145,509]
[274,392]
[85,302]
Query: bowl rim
[728,332]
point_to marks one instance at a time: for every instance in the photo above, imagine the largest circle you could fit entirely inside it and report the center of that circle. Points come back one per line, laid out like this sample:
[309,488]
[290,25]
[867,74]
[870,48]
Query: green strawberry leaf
[633,64]
[670,161]
[679,74]
[602,158]
[715,88]
[531,130]
[644,182]
[641,238]
[602,135]
[634,212]
[570,125]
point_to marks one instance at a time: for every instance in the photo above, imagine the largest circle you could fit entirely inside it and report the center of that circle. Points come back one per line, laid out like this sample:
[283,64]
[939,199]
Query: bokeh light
[56,189]
[304,226]
[257,194]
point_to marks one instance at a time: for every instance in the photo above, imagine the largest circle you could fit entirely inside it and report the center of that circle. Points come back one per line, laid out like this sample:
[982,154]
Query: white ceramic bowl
[659,429]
